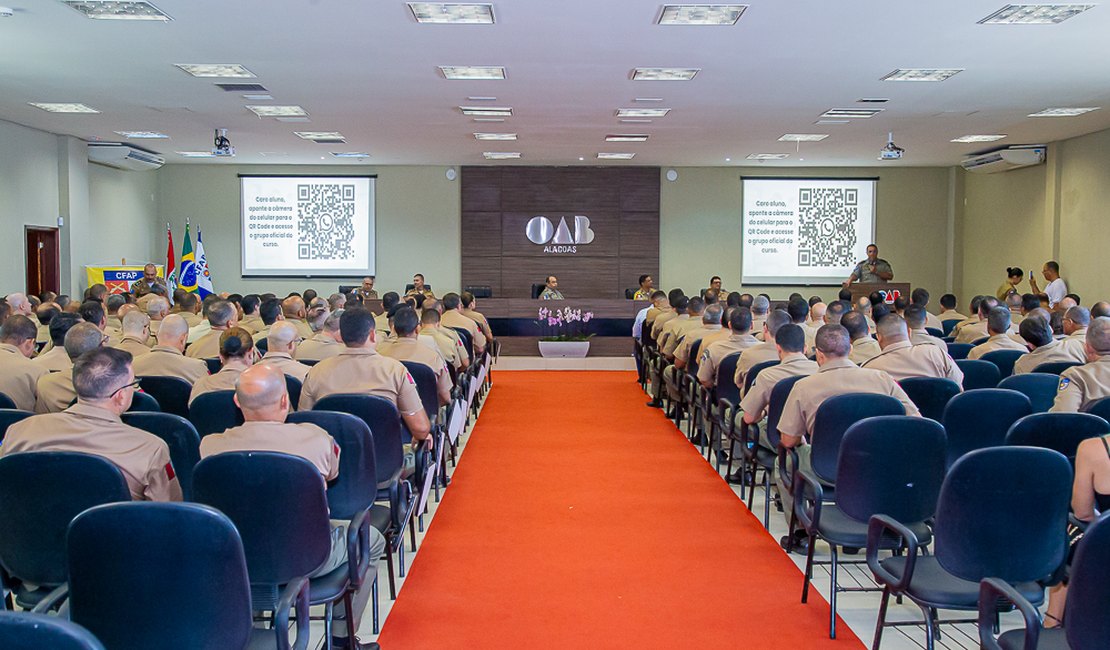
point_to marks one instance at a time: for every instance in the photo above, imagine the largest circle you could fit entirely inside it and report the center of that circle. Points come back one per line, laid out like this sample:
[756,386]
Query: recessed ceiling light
[921,74]
[114,10]
[472,72]
[452,13]
[258,98]
[143,135]
[833,122]
[1033,14]
[196,154]
[63,107]
[615,156]
[350,154]
[803,137]
[851,113]
[728,159]
[872,100]
[636,121]
[297,120]
[215,70]
[581,158]
[768,156]
[495,136]
[481,99]
[487,111]
[501,155]
[319,135]
[627,137]
[648,99]
[977,138]
[642,112]
[489,119]
[664,74]
[271,154]
[701,14]
[269,110]
[1062,112]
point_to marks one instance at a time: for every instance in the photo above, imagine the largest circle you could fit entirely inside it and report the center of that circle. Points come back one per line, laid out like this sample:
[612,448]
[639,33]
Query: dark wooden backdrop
[622,204]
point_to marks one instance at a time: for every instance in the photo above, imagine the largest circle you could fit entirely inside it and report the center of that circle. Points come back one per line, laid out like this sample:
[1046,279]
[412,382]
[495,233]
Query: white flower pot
[573,349]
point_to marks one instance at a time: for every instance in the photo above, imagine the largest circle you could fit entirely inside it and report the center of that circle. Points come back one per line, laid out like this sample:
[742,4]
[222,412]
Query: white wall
[28,195]
[123,209]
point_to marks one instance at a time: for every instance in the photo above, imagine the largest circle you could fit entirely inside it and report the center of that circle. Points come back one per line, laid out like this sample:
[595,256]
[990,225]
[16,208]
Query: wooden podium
[865,289]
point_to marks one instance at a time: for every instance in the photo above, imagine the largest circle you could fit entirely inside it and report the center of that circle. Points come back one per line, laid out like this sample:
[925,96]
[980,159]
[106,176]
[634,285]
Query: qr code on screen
[827,226]
[325,221]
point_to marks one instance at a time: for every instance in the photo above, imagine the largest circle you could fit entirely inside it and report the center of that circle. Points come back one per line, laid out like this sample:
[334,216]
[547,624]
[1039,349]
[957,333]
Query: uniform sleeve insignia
[1064,383]
[169,471]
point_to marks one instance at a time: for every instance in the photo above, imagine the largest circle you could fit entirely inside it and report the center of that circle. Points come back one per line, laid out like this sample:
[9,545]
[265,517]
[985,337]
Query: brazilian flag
[187,279]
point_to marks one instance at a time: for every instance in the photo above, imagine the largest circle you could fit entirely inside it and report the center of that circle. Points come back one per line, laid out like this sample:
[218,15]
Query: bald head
[817,312]
[157,308]
[261,394]
[136,324]
[1066,304]
[1076,319]
[1098,338]
[82,338]
[1100,309]
[282,337]
[293,307]
[173,331]
[891,329]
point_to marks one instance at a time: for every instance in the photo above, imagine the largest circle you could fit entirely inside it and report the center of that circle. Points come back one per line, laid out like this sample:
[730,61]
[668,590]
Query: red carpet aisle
[579,518]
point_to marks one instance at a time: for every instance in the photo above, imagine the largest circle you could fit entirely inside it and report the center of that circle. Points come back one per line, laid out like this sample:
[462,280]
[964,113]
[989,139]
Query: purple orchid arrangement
[565,324]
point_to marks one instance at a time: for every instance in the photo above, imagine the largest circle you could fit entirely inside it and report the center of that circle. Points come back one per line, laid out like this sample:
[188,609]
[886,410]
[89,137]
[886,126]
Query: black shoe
[340,643]
[737,478]
[698,439]
[722,456]
[655,404]
[796,543]
[850,550]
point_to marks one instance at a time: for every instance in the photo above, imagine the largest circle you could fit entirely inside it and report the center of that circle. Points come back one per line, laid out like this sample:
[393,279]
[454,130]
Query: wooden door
[43,272]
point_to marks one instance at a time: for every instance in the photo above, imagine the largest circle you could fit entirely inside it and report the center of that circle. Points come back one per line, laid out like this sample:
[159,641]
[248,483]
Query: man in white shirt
[1056,289]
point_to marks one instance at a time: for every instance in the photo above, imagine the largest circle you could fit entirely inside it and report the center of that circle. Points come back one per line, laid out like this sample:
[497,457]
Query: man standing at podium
[871,270]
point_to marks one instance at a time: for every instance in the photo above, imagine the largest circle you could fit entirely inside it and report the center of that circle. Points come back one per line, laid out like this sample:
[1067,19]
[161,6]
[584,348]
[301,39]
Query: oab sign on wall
[542,232]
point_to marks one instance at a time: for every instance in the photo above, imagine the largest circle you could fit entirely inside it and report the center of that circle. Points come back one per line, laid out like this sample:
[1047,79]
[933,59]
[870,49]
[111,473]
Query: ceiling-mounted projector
[221,146]
[891,151]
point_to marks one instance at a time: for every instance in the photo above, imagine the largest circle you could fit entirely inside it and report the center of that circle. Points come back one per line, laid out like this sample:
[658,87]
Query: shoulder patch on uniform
[409,377]
[169,471]
[1064,383]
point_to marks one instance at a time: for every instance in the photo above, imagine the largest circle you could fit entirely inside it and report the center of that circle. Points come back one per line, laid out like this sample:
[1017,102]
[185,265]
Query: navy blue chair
[932,331]
[733,408]
[959,350]
[979,341]
[979,374]
[724,400]
[262,345]
[891,465]
[215,412]
[27,631]
[1039,387]
[949,325]
[40,494]
[1004,359]
[1087,626]
[6,402]
[293,387]
[980,418]
[279,506]
[8,417]
[179,435]
[172,393]
[760,458]
[170,576]
[1002,513]
[426,386]
[214,365]
[1099,407]
[467,341]
[143,403]
[1061,432]
[1056,367]
[930,394]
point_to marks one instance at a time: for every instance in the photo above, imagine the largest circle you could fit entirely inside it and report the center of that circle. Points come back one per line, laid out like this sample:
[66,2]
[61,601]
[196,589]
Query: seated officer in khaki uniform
[105,385]
[55,359]
[269,311]
[740,338]
[1045,349]
[406,347]
[157,308]
[1081,385]
[915,316]
[252,321]
[920,297]
[236,355]
[366,291]
[418,286]
[672,311]
[136,333]
[864,347]
[1076,321]
[551,289]
[901,359]
[449,347]
[710,325]
[360,369]
[469,309]
[948,309]
[452,316]
[323,344]
[676,330]
[222,316]
[972,331]
[167,359]
[381,321]
[281,346]
[998,328]
[765,351]
[18,374]
[55,391]
[836,375]
[296,312]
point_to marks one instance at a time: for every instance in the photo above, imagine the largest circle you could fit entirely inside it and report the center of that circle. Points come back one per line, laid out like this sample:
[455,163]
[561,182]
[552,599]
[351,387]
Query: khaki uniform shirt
[450,348]
[19,376]
[427,293]
[972,331]
[1054,351]
[143,458]
[757,325]
[223,380]
[141,287]
[1076,345]
[752,357]
[320,346]
[135,346]
[362,370]
[864,349]
[284,362]
[836,377]
[483,324]
[921,337]
[903,359]
[951,314]
[308,441]
[453,318]
[758,397]
[54,392]
[261,334]
[551,294]
[660,322]
[682,350]
[410,349]
[164,361]
[970,320]
[366,295]
[206,347]
[192,320]
[381,323]
[54,360]
[932,320]
[996,342]
[303,329]
[143,301]
[713,354]
[252,323]
[642,294]
[673,330]
[862,272]
[1081,385]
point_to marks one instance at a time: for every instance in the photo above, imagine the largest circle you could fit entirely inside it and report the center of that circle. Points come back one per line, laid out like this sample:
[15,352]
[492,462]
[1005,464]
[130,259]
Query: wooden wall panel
[639,189]
[482,233]
[577,279]
[481,189]
[639,234]
[482,270]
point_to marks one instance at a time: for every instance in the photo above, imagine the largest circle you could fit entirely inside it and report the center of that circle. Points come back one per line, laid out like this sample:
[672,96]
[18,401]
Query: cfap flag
[187,279]
[171,272]
[204,277]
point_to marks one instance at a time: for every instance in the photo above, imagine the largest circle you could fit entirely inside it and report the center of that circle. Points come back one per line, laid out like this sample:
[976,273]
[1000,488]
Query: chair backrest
[979,341]
[949,325]
[930,394]
[8,417]
[959,350]
[932,331]
[891,465]
[179,435]
[1039,387]
[1059,431]
[775,404]
[692,360]
[978,373]
[409,287]
[1099,407]
[172,393]
[159,575]
[629,294]
[293,387]
[1088,596]
[214,365]
[354,489]
[425,379]
[262,345]
[143,403]
[27,631]
[1004,359]
[833,418]
[537,289]
[278,504]
[6,402]
[1056,367]
[467,341]
[980,418]
[40,493]
[1003,513]
[215,412]
[726,371]
[755,370]
[385,427]
[480,290]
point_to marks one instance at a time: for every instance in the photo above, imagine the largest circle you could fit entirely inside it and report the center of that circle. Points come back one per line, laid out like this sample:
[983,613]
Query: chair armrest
[1077,522]
[808,509]
[879,525]
[788,475]
[991,590]
[295,595]
[52,599]
[358,548]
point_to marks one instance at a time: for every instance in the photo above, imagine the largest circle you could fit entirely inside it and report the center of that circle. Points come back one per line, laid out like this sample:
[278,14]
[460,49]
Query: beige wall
[1084,214]
[28,195]
[124,209]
